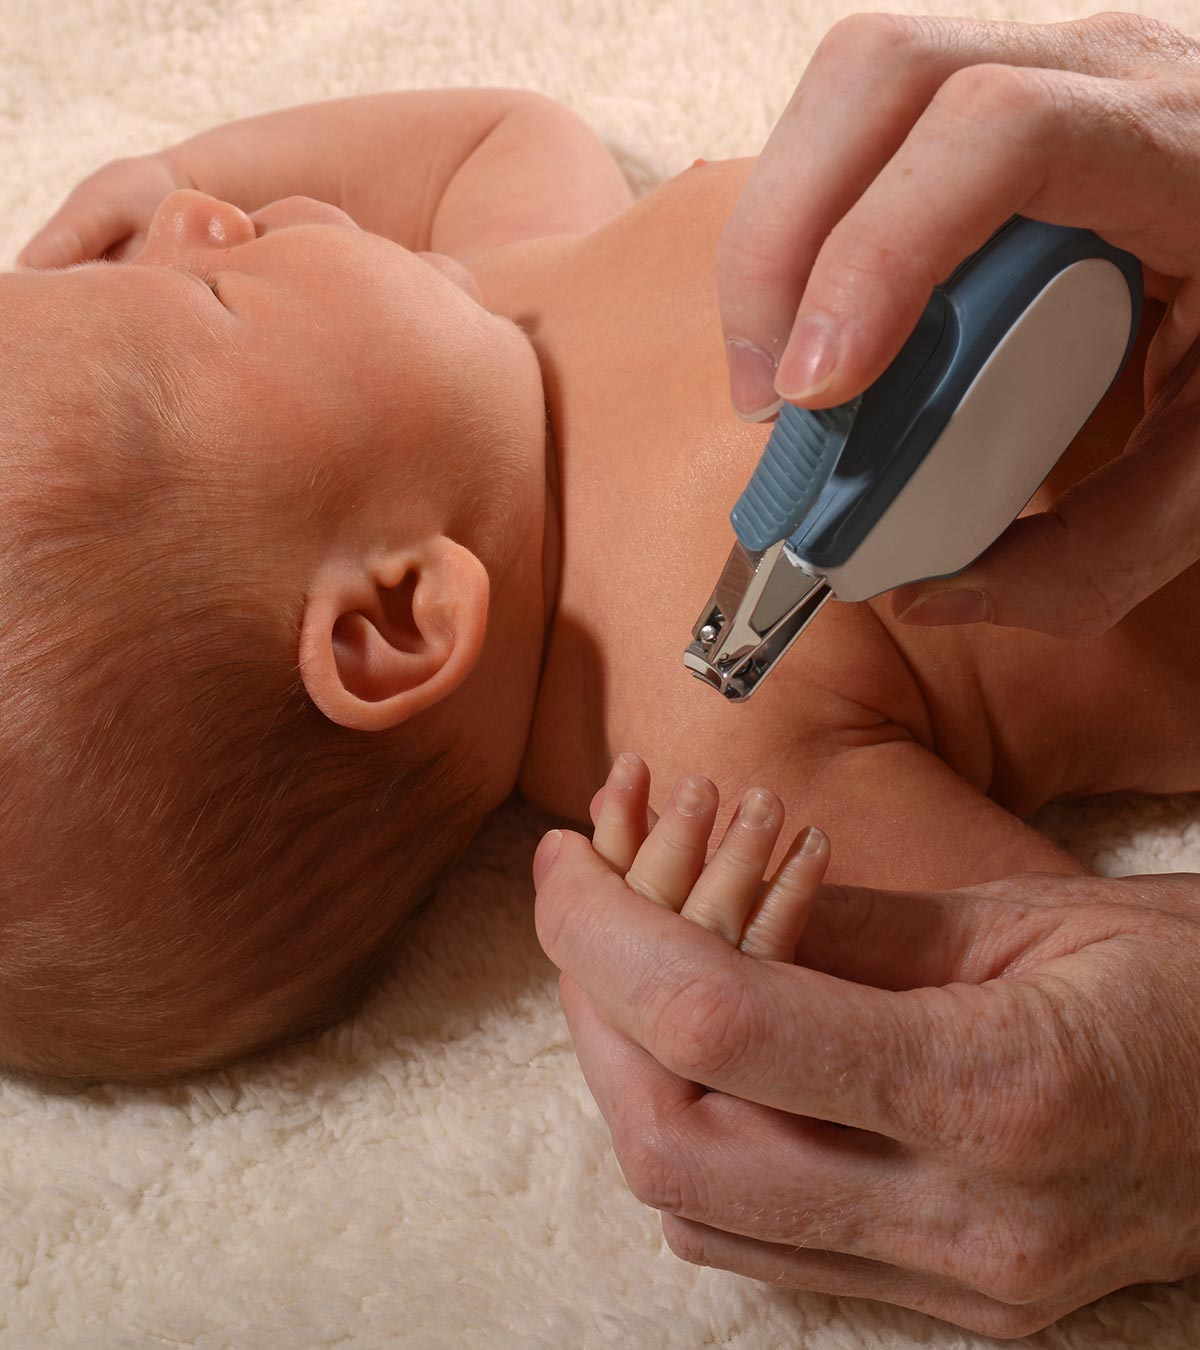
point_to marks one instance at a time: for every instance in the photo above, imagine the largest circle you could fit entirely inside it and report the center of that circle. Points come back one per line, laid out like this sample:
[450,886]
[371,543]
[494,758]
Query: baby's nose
[190,220]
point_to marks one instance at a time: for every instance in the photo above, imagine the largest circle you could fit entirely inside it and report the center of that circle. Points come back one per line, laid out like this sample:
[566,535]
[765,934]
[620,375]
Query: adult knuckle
[1115,24]
[873,252]
[1034,1112]
[1007,1323]
[653,1168]
[705,1025]
[1140,34]
[685,1240]
[996,95]
[1022,1267]
[869,38]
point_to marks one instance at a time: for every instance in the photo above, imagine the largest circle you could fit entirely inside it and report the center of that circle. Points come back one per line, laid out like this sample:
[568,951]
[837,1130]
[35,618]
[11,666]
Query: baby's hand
[106,215]
[664,859]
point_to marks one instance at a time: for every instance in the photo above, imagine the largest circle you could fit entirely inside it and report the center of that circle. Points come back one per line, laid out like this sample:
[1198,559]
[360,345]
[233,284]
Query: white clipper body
[917,476]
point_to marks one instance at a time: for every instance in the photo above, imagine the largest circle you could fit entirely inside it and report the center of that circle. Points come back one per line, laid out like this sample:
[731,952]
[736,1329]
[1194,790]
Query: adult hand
[107,214]
[984,1105]
[906,144]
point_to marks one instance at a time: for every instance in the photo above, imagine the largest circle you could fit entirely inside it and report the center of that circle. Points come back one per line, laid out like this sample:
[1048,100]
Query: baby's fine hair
[195,864]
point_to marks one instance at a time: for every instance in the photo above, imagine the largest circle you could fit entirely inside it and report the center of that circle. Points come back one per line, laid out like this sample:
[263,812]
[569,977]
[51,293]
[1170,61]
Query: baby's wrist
[259,159]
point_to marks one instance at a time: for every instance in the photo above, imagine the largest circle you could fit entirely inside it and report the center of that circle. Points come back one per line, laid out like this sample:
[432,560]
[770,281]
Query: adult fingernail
[751,380]
[809,360]
[546,853]
[951,606]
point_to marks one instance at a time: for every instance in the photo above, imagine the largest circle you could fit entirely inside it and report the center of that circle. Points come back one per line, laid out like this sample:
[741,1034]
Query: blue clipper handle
[826,475]
[795,466]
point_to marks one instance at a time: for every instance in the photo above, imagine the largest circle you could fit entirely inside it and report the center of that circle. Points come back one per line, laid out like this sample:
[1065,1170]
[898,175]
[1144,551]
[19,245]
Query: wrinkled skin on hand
[907,142]
[984,1104]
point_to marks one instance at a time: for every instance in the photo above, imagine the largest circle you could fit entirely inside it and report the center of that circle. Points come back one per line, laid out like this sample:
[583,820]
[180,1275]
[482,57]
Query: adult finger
[994,141]
[863,1194]
[849,1204]
[797,1267]
[870,80]
[925,939]
[787,1037]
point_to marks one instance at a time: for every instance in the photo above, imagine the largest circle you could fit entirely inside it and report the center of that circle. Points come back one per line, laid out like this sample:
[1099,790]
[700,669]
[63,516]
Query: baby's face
[290,334]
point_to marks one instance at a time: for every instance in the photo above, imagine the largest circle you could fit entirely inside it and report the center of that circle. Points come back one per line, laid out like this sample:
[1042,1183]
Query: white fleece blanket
[435,1173]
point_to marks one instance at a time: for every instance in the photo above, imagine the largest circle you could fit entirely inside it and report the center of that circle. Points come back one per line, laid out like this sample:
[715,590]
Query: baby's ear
[387,636]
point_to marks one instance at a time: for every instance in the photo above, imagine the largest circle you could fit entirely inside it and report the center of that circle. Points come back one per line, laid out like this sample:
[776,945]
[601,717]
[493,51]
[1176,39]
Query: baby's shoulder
[542,171]
[856,677]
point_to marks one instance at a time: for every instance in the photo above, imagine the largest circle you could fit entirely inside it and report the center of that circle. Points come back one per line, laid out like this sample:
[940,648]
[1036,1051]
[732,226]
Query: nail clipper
[916,476]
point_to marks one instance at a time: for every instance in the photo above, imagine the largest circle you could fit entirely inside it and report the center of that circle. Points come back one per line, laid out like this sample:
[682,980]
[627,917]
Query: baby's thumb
[87,224]
[52,247]
[1107,543]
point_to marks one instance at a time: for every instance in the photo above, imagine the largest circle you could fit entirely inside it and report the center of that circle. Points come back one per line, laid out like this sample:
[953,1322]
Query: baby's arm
[427,168]
[896,814]
[457,171]
[900,816]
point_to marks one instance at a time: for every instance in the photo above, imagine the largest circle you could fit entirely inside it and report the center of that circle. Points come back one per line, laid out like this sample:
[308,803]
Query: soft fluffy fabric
[435,1173]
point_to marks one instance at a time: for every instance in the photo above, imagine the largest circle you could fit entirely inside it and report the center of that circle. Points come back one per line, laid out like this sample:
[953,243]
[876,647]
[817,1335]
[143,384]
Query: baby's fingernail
[751,380]
[810,358]
[689,797]
[624,770]
[950,606]
[543,859]
[757,808]
[812,842]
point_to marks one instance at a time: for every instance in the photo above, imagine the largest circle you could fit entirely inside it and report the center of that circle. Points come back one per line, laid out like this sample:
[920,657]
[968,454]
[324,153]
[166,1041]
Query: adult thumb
[1107,543]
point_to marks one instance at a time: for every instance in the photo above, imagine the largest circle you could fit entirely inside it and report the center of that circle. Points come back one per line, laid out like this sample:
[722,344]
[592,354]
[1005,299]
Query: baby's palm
[107,215]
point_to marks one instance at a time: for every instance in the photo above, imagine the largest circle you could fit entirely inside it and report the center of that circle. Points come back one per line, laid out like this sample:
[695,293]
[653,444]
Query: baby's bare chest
[653,458]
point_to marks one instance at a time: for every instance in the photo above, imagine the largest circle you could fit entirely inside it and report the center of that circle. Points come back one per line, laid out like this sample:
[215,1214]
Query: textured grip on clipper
[795,466]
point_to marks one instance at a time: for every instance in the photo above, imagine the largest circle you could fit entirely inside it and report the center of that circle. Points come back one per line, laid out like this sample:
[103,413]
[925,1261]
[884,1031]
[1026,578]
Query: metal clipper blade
[762,603]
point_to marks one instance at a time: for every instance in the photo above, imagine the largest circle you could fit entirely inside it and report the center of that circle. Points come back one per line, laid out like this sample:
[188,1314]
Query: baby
[368,460]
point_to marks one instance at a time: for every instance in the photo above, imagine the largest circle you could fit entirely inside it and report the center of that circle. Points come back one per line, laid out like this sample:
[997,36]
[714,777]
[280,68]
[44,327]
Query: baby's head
[271,510]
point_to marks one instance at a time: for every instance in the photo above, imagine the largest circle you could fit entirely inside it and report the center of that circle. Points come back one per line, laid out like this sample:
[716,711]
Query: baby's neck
[566,743]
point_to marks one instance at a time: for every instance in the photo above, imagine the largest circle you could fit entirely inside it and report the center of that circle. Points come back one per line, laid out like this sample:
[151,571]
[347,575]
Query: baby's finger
[100,213]
[77,235]
[728,887]
[672,858]
[777,924]
[620,814]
